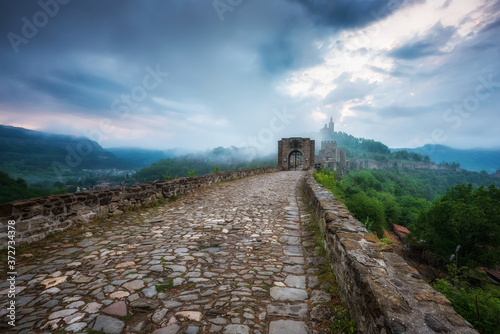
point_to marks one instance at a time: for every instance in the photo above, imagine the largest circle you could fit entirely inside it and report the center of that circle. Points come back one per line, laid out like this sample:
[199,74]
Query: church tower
[331,129]
[328,130]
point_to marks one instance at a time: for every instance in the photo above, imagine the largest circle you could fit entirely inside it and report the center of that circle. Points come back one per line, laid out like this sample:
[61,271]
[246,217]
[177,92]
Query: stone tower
[331,156]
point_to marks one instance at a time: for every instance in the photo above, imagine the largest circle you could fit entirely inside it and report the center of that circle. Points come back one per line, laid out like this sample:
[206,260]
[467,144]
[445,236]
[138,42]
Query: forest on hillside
[453,214]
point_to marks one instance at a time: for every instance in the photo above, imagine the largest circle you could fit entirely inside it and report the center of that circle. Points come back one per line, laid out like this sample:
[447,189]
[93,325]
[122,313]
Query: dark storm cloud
[76,88]
[425,46]
[352,13]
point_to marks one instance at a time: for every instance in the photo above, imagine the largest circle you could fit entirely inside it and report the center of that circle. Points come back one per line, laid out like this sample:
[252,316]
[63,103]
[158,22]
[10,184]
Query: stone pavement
[230,258]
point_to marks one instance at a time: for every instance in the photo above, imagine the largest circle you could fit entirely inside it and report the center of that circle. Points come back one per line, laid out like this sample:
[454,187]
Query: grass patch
[169,283]
[386,241]
[342,322]
[174,198]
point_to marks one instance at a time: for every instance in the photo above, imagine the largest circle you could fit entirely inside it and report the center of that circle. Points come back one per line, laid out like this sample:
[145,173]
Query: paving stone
[76,327]
[293,250]
[50,303]
[320,296]
[156,268]
[150,292]
[119,309]
[119,294]
[287,294]
[73,318]
[159,315]
[298,282]
[62,313]
[171,329]
[134,285]
[288,310]
[218,321]
[76,304]
[171,304]
[288,327]
[108,325]
[92,307]
[236,329]
[51,282]
[144,303]
[192,330]
[190,315]
[127,264]
[294,269]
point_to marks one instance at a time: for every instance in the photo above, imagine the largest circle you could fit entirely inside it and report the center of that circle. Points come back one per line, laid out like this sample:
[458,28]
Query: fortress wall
[357,164]
[383,293]
[37,217]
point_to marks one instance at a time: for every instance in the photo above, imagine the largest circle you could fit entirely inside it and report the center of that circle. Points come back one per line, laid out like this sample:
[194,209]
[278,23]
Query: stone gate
[295,153]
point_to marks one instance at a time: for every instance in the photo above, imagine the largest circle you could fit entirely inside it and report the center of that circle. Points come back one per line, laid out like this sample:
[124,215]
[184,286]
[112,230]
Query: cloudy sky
[198,74]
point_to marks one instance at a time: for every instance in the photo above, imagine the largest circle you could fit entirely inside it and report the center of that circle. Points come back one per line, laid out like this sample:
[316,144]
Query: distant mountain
[142,157]
[35,155]
[474,160]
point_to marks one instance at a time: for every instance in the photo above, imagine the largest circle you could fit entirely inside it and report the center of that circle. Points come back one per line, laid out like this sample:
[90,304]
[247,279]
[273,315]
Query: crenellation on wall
[382,292]
[37,217]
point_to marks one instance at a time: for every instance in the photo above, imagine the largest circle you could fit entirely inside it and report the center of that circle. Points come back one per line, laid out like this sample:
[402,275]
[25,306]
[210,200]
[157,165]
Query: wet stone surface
[230,258]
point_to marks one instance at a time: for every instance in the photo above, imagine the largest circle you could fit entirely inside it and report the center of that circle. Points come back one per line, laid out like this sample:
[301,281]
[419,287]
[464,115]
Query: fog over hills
[36,155]
[471,159]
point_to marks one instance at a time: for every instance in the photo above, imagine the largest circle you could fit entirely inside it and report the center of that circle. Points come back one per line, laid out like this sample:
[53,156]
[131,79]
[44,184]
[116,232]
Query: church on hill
[330,155]
[328,130]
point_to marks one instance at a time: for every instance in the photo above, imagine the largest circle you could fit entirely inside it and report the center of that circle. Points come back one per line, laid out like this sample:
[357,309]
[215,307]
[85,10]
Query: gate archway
[295,160]
[295,153]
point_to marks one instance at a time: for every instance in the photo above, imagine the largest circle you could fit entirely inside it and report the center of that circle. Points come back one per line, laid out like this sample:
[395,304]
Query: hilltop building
[328,130]
[330,155]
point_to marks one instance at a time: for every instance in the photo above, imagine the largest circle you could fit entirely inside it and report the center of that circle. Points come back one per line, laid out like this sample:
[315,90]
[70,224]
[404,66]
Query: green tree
[191,173]
[366,208]
[467,217]
[12,190]
[470,302]
[216,169]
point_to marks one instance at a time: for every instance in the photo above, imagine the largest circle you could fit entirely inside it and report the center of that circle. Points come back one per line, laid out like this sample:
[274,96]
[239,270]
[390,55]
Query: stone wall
[37,217]
[357,164]
[383,293]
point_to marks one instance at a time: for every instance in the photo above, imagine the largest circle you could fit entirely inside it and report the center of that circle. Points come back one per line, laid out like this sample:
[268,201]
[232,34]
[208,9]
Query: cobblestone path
[230,258]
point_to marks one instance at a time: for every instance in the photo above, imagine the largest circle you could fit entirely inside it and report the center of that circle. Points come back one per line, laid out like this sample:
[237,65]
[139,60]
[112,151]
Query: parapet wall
[383,293]
[37,217]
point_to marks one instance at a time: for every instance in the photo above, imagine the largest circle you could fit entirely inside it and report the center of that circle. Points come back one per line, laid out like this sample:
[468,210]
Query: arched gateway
[295,153]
